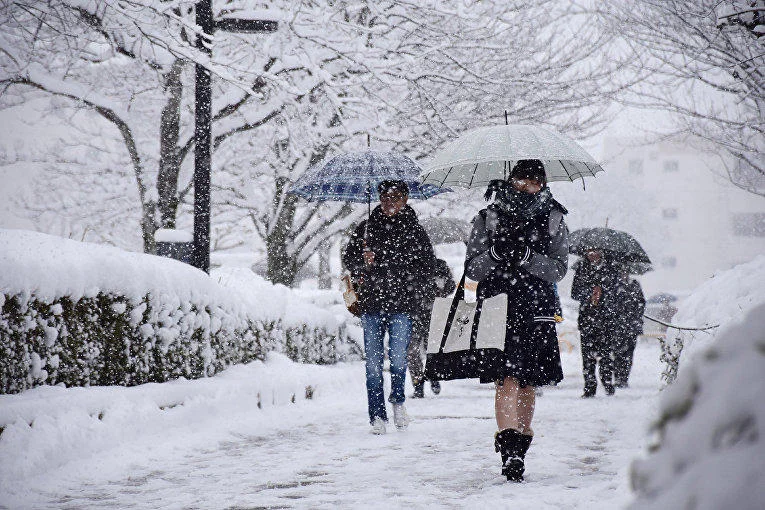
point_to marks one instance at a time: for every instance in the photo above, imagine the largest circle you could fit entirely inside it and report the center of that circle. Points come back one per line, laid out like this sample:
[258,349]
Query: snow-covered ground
[207,444]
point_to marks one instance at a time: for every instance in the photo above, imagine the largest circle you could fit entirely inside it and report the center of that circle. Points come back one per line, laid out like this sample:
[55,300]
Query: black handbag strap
[459,295]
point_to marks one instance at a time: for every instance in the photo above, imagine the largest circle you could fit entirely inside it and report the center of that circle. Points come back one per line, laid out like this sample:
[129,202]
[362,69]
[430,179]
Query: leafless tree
[703,61]
[410,74]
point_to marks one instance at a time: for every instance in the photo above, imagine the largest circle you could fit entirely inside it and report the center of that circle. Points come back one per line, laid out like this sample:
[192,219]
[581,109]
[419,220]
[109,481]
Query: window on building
[749,224]
[669,213]
[636,166]
[669,262]
[671,165]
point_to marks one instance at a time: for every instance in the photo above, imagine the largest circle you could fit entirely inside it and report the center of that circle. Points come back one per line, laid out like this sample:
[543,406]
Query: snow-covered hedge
[85,314]
[710,432]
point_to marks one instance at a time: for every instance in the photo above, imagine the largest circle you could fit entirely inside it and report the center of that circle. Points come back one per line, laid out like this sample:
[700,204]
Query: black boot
[419,390]
[512,446]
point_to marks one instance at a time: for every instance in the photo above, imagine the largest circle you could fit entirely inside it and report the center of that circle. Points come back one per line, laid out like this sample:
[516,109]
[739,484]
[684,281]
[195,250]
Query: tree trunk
[148,227]
[169,161]
[325,277]
[282,265]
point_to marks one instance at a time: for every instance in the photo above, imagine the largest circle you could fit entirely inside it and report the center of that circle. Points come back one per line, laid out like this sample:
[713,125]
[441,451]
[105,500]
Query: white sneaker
[378,426]
[400,418]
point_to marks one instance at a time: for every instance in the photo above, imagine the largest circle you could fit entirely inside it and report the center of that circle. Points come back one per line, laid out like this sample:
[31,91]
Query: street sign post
[203,121]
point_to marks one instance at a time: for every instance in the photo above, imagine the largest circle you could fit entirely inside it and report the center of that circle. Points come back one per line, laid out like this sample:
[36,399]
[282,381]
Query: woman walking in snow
[519,246]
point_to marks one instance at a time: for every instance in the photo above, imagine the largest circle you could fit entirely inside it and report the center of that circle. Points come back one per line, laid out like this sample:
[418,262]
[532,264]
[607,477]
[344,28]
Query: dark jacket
[529,286]
[404,263]
[605,314]
[631,306]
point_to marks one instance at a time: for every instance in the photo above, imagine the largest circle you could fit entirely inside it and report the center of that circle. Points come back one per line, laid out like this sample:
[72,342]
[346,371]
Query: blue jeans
[399,328]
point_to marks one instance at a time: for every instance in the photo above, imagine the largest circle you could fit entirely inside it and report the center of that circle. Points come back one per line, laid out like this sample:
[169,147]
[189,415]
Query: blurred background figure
[629,325]
[595,285]
[442,284]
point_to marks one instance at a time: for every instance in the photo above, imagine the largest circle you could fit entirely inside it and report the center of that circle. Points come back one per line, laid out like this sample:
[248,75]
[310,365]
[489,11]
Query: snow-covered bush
[723,299]
[85,314]
[710,432]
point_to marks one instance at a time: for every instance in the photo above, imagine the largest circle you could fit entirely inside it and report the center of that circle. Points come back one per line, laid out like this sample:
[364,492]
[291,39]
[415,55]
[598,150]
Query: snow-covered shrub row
[305,317]
[710,431]
[109,339]
[86,314]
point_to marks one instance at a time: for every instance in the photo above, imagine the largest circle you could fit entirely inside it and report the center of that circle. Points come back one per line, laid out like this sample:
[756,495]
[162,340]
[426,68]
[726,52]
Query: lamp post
[203,121]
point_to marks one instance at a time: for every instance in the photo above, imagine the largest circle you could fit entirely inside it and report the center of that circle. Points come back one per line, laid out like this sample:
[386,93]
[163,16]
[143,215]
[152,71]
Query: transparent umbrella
[447,230]
[488,153]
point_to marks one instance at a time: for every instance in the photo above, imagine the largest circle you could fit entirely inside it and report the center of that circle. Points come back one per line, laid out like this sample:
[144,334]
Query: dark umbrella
[622,245]
[637,267]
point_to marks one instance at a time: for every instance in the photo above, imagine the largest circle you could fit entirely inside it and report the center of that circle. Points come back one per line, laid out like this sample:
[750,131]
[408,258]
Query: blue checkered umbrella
[354,176]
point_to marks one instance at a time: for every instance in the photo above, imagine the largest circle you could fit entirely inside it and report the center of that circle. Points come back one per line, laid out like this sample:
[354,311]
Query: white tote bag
[458,348]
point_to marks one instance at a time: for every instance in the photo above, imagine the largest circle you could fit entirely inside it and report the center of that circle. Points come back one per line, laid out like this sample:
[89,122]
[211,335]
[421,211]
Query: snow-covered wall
[85,314]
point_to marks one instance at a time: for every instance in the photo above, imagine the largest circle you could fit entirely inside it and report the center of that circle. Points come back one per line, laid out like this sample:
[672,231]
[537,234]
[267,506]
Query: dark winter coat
[400,279]
[532,355]
[605,315]
[442,284]
[630,308]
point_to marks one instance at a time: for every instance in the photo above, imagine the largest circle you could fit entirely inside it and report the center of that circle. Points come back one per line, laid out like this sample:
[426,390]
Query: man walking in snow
[595,283]
[391,259]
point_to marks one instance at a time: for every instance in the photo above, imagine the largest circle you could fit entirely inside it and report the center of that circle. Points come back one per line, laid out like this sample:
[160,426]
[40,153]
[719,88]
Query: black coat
[594,318]
[531,354]
[630,307]
[442,284]
[400,279]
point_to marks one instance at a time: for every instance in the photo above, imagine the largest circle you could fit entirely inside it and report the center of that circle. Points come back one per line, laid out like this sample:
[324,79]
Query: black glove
[506,250]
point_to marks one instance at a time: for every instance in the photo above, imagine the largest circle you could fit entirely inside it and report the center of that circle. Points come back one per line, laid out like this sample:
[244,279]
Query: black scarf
[518,204]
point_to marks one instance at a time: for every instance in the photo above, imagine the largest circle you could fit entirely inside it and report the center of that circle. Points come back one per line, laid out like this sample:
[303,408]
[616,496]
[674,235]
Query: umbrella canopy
[661,297]
[354,176]
[623,246]
[446,230]
[637,267]
[489,153]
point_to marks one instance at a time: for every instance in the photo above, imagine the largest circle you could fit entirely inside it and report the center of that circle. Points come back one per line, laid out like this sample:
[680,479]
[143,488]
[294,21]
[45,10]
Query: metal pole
[202,141]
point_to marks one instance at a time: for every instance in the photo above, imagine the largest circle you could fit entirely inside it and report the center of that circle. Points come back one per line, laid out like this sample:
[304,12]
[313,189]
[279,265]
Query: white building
[702,222]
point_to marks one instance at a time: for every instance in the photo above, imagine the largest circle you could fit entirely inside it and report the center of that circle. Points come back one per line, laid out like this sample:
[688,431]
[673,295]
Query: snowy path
[319,454]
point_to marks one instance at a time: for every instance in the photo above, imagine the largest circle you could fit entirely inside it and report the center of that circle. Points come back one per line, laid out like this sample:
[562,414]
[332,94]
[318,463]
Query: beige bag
[491,326]
[349,296]
[460,349]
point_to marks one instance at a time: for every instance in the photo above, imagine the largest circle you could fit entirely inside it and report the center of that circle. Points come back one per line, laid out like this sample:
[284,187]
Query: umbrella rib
[447,176]
[563,164]
[473,176]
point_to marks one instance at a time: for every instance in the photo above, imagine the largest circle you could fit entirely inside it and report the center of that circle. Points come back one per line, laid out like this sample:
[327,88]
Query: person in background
[631,301]
[441,285]
[596,279]
[519,247]
[391,259]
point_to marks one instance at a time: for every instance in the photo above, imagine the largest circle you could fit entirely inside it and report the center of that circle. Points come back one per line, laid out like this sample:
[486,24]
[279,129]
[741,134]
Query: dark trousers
[597,349]
[418,346]
[623,361]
